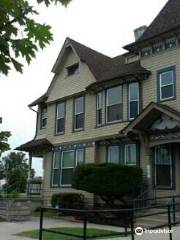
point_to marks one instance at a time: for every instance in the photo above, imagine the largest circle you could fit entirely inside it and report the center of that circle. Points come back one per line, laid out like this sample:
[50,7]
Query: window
[170,43]
[133,100]
[157,48]
[43,117]
[99,108]
[146,52]
[130,154]
[79,113]
[60,117]
[72,69]
[166,84]
[113,154]
[163,166]
[56,169]
[63,166]
[67,167]
[125,154]
[114,106]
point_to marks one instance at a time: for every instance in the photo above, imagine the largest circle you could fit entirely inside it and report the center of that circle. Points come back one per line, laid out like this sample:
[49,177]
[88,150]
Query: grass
[51,236]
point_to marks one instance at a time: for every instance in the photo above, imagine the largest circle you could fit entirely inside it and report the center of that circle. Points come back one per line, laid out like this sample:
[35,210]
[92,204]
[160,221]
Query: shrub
[68,200]
[111,182]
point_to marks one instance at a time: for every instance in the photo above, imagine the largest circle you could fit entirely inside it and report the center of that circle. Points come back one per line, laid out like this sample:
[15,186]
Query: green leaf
[18,66]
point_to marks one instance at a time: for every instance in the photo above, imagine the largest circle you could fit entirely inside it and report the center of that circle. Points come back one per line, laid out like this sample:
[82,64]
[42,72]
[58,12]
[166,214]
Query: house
[124,109]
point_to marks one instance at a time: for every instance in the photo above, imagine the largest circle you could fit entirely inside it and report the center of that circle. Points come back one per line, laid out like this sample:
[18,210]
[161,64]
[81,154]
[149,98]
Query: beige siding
[154,63]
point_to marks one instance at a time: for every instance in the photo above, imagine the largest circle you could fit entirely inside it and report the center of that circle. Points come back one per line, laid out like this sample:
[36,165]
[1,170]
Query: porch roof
[146,118]
[35,145]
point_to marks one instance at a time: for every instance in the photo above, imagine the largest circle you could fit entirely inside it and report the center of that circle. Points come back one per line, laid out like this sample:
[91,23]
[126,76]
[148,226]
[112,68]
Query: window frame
[171,168]
[56,120]
[74,113]
[99,108]
[42,118]
[129,101]
[107,105]
[159,80]
[52,171]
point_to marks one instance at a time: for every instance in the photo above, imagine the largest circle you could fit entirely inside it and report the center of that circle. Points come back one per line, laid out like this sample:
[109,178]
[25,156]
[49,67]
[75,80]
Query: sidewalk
[9,229]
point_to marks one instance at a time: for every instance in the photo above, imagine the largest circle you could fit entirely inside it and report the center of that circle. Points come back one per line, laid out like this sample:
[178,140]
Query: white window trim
[165,85]
[62,168]
[125,156]
[171,173]
[76,114]
[130,118]
[107,105]
[54,185]
[58,118]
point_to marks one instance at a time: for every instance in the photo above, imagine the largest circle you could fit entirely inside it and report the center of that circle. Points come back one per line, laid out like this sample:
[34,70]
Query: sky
[104,25]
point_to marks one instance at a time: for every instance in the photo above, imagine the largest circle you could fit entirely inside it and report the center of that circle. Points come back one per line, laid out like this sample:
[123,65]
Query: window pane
[80,156]
[60,110]
[44,122]
[66,178]
[79,105]
[163,155]
[79,121]
[56,160]
[167,91]
[99,116]
[163,175]
[131,154]
[133,91]
[114,96]
[68,159]
[99,101]
[113,154]
[134,109]
[166,78]
[55,180]
[115,113]
[60,125]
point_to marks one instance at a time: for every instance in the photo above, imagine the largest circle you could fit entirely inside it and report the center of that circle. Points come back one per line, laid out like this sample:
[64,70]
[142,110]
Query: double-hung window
[67,167]
[63,165]
[60,118]
[163,169]
[99,108]
[166,84]
[130,154]
[56,169]
[114,104]
[43,122]
[124,154]
[79,113]
[133,100]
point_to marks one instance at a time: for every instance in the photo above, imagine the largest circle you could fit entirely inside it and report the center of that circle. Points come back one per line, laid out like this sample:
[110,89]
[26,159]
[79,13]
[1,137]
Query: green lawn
[51,236]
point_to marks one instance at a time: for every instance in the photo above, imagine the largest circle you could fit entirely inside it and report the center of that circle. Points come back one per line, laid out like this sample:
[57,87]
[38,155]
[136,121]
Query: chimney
[138,32]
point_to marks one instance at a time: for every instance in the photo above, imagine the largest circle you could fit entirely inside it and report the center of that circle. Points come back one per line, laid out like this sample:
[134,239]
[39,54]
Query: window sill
[78,130]
[166,100]
[59,134]
[164,188]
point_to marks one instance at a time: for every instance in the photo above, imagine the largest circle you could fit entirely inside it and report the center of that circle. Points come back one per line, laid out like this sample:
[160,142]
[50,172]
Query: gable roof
[145,119]
[103,68]
[167,20]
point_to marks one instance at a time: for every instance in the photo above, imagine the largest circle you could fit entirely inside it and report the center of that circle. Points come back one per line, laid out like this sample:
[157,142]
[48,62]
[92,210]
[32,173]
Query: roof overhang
[145,119]
[39,145]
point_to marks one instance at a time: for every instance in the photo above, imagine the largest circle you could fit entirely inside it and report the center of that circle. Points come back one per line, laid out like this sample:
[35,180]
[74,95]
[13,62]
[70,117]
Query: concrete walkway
[9,229]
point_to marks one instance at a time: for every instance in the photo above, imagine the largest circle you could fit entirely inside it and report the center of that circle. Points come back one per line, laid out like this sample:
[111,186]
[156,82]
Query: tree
[112,182]
[15,171]
[4,146]
[20,35]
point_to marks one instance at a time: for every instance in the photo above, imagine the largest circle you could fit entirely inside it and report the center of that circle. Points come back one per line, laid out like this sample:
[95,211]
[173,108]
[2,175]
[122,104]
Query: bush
[112,182]
[68,200]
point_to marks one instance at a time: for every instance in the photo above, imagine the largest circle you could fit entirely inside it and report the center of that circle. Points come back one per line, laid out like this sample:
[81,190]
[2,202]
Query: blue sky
[103,25]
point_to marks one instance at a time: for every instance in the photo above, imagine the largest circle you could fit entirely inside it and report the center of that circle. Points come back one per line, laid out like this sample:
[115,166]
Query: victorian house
[124,109]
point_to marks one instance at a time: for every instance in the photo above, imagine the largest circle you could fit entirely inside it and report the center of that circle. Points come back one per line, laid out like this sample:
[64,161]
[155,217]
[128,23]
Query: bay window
[114,104]
[67,167]
[60,117]
[56,169]
[79,113]
[133,100]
